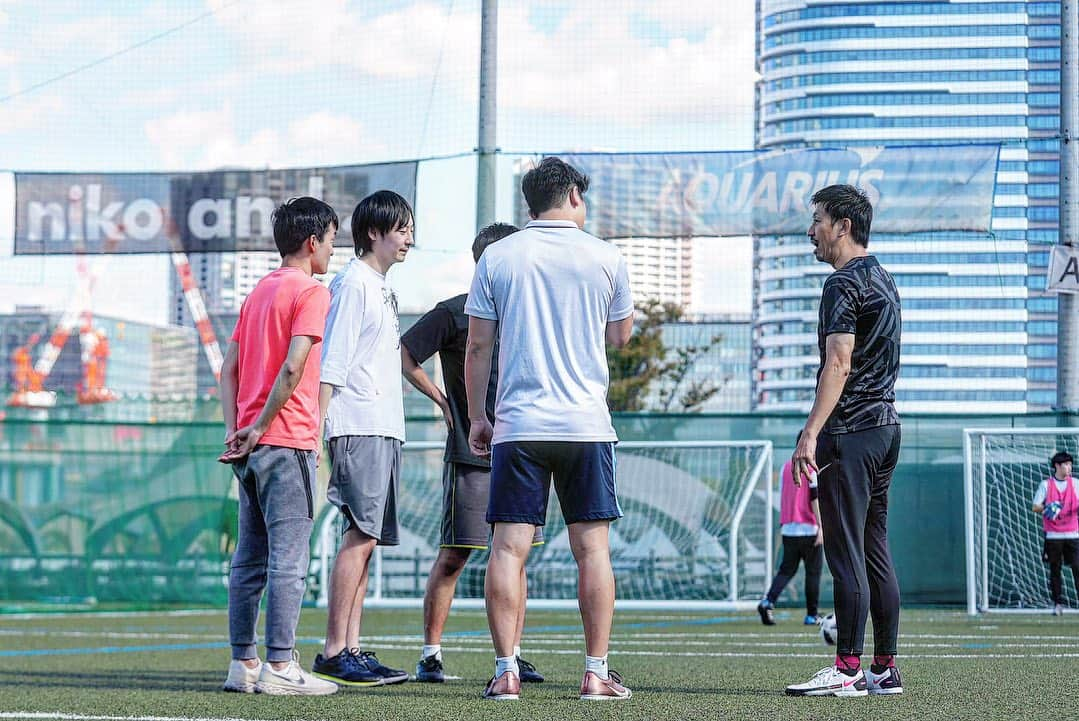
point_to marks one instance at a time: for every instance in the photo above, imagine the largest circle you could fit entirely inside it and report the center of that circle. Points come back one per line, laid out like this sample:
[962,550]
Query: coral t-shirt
[285,303]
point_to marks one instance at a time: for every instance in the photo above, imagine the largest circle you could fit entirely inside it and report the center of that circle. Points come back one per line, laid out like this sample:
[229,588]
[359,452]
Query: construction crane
[30,377]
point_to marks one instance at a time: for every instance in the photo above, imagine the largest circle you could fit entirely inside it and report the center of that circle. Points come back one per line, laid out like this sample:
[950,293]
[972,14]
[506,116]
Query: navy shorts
[521,474]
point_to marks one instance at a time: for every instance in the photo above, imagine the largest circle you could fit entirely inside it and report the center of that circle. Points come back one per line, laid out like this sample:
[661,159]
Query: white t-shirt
[552,288]
[361,356]
[1039,500]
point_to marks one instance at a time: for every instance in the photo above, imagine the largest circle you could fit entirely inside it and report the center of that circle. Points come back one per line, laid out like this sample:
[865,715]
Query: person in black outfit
[466,476]
[853,435]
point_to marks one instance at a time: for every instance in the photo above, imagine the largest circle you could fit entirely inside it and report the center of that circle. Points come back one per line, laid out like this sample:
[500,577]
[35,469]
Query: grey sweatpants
[272,550]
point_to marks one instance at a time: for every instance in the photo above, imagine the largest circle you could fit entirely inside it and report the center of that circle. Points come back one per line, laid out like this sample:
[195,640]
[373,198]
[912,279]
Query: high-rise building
[979,331]
[660,268]
[723,365]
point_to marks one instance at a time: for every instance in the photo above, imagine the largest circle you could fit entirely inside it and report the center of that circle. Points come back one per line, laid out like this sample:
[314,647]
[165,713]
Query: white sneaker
[1058,610]
[830,681]
[292,681]
[241,679]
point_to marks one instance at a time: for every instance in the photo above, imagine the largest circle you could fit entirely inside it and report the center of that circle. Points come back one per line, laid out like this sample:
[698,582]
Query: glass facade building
[979,330]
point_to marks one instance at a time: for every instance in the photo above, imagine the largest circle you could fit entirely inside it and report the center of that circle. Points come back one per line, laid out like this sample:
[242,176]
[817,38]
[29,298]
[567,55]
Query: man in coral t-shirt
[269,398]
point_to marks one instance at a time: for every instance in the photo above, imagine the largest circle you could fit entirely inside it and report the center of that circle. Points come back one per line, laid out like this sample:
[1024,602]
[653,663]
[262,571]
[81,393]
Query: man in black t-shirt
[466,477]
[853,434]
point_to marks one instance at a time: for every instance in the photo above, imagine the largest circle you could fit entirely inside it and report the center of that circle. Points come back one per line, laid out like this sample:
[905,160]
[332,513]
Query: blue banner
[912,189]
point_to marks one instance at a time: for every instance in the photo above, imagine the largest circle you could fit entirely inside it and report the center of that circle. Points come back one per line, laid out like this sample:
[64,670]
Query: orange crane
[95,346]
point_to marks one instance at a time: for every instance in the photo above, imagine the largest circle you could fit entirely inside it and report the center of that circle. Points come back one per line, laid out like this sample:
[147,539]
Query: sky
[204,84]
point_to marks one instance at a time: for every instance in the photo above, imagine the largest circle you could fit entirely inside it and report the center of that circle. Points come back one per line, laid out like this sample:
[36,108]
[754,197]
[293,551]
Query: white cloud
[209,139]
[596,66]
[403,43]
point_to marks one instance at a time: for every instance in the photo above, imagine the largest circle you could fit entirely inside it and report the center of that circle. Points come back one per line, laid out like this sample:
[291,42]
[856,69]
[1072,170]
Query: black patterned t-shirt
[861,298]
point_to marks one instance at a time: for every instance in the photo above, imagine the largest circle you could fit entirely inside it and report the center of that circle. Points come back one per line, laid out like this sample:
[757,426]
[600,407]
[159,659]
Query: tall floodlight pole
[1068,303]
[487,149]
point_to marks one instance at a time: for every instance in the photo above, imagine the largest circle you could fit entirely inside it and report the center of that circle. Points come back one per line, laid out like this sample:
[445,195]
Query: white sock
[597,665]
[434,649]
[506,663]
[516,651]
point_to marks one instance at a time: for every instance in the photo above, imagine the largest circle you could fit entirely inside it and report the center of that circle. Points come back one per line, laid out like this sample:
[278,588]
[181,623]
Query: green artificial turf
[679,665]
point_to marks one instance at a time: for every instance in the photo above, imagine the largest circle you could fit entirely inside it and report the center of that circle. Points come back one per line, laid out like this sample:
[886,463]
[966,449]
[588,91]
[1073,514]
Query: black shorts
[1061,549]
[465,493]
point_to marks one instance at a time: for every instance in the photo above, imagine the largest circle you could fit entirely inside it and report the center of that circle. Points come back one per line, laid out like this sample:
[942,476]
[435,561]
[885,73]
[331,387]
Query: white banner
[1063,274]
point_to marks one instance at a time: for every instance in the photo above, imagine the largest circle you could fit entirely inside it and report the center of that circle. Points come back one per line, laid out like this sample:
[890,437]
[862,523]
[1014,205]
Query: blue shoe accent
[811,620]
[368,660]
[345,670]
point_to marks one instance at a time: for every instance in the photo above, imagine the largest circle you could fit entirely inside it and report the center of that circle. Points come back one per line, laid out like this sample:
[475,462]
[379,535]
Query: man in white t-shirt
[1057,501]
[360,399]
[553,295]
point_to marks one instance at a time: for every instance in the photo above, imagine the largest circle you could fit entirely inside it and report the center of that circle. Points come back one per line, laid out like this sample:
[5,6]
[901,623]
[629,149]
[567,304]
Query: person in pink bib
[1057,500]
[799,518]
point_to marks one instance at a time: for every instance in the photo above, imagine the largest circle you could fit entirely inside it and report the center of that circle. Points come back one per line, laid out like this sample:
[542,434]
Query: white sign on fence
[1063,269]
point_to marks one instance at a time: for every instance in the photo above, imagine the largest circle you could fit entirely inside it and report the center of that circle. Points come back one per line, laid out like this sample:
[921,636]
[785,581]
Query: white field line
[741,654]
[635,639]
[112,614]
[83,717]
[111,634]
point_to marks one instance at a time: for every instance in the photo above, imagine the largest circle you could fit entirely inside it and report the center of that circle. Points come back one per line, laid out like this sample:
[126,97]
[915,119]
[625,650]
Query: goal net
[1004,537]
[697,532]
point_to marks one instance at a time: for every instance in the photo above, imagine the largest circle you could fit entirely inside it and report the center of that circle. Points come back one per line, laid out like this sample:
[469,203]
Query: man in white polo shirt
[553,295]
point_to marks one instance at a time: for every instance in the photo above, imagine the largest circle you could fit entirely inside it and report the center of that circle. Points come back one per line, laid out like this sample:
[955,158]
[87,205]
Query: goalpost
[696,535]
[1003,467]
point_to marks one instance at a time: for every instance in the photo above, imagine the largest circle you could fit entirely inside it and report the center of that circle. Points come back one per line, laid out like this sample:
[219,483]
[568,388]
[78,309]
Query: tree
[646,360]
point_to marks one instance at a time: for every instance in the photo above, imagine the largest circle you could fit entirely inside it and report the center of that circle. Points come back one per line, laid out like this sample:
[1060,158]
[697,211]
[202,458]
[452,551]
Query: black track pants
[853,494]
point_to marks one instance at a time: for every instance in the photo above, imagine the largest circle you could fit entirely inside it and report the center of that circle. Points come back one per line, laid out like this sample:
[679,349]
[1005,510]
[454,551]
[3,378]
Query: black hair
[296,220]
[548,184]
[492,233]
[846,201]
[1061,457]
[383,211]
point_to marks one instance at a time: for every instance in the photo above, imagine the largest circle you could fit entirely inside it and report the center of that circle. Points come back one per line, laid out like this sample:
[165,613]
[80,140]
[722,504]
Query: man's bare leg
[348,583]
[595,582]
[503,590]
[438,597]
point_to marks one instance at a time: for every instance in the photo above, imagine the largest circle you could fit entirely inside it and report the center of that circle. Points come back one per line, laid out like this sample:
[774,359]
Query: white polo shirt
[552,288]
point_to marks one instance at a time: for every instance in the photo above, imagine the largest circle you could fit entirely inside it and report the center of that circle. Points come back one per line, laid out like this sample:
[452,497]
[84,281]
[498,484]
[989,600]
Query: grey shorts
[364,480]
[465,491]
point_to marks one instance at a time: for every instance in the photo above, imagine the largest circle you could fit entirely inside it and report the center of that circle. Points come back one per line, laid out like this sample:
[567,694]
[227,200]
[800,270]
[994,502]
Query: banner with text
[913,189]
[1063,274]
[218,211]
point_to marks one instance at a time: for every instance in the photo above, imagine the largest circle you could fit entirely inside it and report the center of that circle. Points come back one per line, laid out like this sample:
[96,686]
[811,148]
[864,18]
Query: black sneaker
[764,608]
[529,673]
[429,670]
[346,670]
[887,682]
[368,660]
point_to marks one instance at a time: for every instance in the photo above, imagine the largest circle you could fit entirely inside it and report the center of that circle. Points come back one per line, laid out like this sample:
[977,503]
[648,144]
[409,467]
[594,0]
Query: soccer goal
[697,532]
[1003,468]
